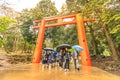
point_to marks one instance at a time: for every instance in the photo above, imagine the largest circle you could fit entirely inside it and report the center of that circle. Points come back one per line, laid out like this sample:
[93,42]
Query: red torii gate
[79,20]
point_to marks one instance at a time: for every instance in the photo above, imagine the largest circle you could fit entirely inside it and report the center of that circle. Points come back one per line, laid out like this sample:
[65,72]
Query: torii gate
[78,20]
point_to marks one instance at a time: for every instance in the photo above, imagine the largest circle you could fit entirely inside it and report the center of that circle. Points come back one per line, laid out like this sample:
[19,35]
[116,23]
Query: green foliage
[1,42]
[106,53]
[4,24]
[115,29]
[45,8]
[70,36]
[28,35]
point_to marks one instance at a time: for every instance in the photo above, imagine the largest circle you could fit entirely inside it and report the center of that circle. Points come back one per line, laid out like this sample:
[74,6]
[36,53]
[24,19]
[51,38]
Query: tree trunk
[53,43]
[94,41]
[24,48]
[111,44]
[118,51]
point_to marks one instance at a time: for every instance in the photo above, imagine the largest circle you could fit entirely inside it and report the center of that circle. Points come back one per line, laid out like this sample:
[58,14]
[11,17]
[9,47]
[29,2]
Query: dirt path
[35,72]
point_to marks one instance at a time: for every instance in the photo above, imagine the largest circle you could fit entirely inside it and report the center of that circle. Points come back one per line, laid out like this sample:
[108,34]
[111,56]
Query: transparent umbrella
[51,49]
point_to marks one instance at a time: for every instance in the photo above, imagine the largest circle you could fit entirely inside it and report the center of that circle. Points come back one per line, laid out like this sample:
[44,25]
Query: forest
[17,35]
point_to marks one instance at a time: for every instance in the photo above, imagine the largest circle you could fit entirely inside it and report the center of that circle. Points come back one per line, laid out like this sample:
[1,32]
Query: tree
[4,24]
[103,10]
[104,14]
[9,36]
[43,9]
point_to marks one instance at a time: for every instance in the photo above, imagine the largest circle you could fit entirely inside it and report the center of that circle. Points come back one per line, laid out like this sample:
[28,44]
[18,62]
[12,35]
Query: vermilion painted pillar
[39,43]
[85,55]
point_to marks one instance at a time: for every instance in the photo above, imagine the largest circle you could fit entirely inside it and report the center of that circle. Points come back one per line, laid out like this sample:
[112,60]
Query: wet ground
[36,72]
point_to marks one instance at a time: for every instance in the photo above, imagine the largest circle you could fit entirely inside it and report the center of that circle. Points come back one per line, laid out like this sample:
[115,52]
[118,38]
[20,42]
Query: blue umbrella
[77,47]
[51,49]
[55,52]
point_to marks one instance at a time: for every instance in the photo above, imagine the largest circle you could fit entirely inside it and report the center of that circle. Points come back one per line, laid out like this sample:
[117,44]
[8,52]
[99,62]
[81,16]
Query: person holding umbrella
[76,55]
[60,58]
[62,49]
[67,57]
[50,59]
[47,57]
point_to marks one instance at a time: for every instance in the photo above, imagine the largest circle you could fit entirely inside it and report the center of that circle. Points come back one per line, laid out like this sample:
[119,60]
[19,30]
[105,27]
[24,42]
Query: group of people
[61,59]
